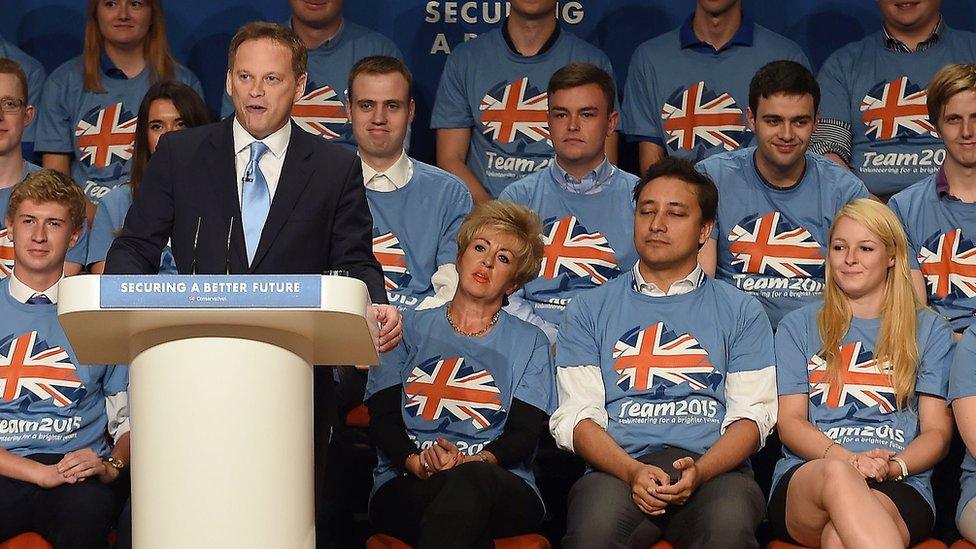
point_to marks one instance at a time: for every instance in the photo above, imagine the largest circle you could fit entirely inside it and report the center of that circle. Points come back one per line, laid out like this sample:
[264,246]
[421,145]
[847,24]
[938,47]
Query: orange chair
[663,544]
[27,540]
[528,541]
[358,417]
[962,544]
[927,544]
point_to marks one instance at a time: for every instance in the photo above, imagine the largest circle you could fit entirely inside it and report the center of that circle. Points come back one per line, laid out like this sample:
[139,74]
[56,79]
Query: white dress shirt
[270,164]
[395,177]
[117,405]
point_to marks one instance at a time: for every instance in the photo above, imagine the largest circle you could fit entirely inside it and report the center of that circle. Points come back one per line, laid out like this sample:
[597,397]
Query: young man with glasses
[16,116]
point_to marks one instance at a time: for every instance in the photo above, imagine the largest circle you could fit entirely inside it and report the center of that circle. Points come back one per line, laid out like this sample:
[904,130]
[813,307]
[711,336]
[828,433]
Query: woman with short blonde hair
[457,409]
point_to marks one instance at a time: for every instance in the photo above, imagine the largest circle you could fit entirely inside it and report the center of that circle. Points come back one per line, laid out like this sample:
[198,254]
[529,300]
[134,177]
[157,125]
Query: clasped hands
[438,457]
[874,464]
[652,490]
[76,467]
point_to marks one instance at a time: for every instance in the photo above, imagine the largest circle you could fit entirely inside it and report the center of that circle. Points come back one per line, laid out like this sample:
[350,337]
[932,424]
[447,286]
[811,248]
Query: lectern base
[221,445]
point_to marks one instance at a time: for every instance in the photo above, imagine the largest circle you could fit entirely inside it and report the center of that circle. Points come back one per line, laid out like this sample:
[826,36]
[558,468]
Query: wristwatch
[115,462]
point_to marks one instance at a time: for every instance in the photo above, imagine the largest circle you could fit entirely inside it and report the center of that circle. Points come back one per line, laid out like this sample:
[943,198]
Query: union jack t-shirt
[461,388]
[693,103]
[881,94]
[97,129]
[771,243]
[502,97]
[859,410]
[589,238]
[941,233]
[49,403]
[664,361]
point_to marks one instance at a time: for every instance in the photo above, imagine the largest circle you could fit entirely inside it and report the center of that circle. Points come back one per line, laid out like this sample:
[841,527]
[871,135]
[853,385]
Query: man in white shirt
[417,208]
[666,384]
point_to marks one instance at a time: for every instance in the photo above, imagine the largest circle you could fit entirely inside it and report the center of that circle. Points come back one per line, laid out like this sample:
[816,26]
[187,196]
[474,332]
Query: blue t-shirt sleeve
[577,341]
[388,373]
[186,76]
[54,131]
[102,234]
[751,347]
[458,209]
[641,113]
[702,167]
[36,76]
[935,357]
[893,204]
[835,93]
[451,109]
[116,380]
[792,376]
[962,378]
[537,384]
[79,252]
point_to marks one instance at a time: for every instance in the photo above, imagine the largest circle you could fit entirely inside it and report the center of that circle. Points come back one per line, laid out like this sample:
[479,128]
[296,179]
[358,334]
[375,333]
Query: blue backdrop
[425,30]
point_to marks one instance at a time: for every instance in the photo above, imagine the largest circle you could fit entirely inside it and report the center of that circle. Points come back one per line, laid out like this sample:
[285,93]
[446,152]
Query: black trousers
[466,506]
[723,513]
[70,516]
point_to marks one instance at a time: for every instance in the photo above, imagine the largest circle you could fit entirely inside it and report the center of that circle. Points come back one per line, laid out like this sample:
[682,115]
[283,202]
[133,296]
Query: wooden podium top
[104,329]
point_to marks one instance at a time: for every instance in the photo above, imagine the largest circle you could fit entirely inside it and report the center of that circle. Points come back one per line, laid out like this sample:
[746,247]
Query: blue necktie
[255,201]
[38,299]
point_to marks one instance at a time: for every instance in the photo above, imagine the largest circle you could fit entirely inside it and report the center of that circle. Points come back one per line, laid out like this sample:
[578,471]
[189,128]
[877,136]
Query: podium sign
[220,395]
[211,291]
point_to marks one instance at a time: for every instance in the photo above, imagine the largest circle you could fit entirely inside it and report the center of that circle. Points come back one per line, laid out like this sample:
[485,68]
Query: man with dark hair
[334,45]
[666,386]
[56,461]
[16,116]
[873,117]
[481,137]
[686,89]
[939,212]
[580,198]
[417,208]
[777,201]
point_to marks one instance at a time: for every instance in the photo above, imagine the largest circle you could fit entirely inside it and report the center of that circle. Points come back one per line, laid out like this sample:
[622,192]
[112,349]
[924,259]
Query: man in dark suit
[285,200]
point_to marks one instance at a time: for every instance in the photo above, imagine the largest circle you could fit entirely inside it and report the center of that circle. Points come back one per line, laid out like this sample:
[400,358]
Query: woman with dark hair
[862,379]
[457,409]
[86,123]
[168,106]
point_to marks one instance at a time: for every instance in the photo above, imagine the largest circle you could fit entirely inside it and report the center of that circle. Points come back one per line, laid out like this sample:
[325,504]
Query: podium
[220,395]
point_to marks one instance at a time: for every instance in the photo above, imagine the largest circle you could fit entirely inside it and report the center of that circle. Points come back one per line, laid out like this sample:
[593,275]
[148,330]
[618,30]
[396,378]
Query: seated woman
[962,395]
[168,106]
[457,409]
[862,380]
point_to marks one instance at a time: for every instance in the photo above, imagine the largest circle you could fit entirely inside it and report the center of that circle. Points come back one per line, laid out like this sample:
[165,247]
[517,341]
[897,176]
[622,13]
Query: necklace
[494,319]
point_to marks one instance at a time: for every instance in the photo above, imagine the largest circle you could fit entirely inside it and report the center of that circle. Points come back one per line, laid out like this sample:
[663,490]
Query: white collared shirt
[22,292]
[681,286]
[395,177]
[270,164]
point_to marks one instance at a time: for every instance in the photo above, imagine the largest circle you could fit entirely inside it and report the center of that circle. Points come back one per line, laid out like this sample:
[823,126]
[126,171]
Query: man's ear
[751,119]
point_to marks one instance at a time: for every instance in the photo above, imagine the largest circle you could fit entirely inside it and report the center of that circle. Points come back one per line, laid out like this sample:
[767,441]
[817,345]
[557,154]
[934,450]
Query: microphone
[230,232]
[196,236]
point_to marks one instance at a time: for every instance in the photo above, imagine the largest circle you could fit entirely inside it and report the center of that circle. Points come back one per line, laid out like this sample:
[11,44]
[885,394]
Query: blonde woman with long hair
[862,379]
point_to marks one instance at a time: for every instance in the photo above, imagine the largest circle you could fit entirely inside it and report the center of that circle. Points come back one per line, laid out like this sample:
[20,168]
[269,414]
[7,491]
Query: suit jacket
[319,219]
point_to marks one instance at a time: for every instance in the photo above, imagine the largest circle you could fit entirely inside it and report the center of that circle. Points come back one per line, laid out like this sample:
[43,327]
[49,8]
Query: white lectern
[220,395]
